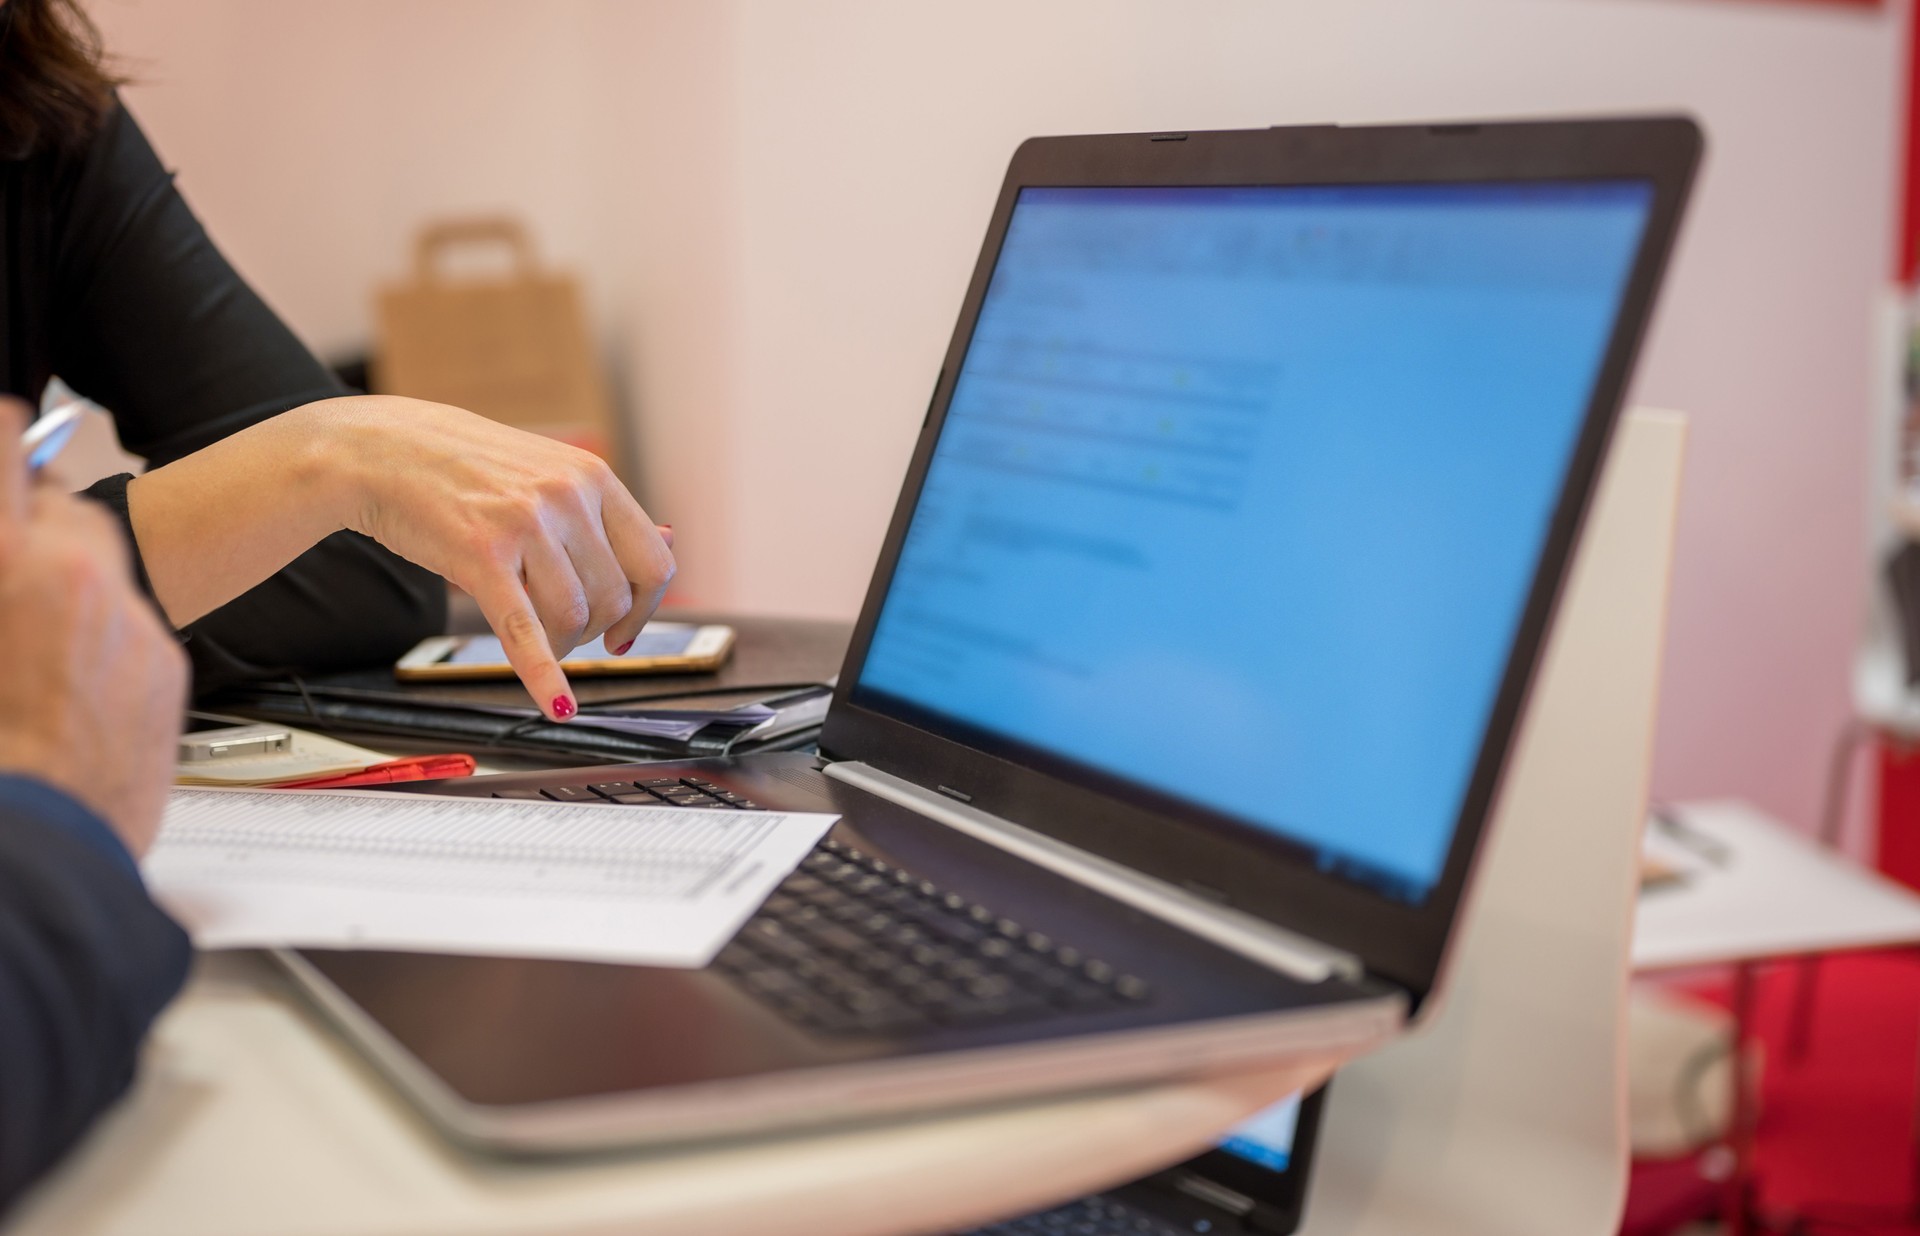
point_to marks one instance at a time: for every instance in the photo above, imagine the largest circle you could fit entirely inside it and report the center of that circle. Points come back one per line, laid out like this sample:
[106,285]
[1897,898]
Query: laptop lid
[1237,520]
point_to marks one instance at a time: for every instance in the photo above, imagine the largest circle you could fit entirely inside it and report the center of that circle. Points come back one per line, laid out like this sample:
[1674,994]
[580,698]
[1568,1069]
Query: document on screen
[379,870]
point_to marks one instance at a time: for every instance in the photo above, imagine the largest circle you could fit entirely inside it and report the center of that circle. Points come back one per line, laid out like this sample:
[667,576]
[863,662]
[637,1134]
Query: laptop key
[836,938]
[873,960]
[965,969]
[570,794]
[930,954]
[801,915]
[771,981]
[1076,995]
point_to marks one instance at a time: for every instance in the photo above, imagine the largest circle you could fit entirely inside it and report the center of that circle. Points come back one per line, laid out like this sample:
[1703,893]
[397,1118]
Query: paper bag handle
[435,239]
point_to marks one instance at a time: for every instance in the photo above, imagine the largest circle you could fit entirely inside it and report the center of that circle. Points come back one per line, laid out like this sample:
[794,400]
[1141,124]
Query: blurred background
[772,209]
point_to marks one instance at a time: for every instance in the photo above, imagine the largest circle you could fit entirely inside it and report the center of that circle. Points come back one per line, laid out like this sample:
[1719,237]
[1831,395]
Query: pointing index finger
[511,615]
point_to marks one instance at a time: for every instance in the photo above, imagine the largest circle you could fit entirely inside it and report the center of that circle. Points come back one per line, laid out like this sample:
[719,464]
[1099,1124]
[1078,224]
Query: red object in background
[1898,766]
[1832,1145]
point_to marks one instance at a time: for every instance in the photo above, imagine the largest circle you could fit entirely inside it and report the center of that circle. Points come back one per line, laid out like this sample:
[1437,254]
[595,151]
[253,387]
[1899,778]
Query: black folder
[781,662]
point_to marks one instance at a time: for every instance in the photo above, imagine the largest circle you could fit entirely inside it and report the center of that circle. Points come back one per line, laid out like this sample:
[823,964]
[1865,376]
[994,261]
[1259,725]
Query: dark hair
[55,81]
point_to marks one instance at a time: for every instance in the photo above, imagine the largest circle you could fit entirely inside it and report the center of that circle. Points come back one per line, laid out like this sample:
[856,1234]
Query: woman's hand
[542,534]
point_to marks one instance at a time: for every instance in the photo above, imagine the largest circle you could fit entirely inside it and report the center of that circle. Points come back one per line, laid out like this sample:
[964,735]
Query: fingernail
[563,706]
[621,651]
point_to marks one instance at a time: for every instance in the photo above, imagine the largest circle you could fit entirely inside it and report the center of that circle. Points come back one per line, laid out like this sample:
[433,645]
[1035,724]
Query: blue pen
[49,435]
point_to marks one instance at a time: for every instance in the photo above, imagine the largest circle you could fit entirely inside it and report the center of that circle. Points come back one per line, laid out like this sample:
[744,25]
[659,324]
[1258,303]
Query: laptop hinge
[1288,952]
[1213,1194]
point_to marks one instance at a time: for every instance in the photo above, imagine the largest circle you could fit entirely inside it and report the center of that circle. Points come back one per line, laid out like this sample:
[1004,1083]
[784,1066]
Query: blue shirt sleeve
[24,797]
[87,961]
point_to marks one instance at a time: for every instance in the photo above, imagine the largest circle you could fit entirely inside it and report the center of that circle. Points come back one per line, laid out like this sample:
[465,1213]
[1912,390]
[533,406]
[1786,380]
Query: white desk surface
[249,1120]
[1777,894]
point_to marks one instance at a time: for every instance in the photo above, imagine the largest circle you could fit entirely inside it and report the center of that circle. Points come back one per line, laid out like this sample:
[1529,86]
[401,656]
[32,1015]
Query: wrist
[27,751]
[329,443]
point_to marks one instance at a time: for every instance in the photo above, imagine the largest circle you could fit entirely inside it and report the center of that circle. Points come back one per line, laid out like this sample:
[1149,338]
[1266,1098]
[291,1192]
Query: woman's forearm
[223,519]
[541,534]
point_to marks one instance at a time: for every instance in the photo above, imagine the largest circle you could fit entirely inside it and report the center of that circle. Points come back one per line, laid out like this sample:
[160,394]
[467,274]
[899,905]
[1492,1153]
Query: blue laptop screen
[1267,1138]
[1241,491]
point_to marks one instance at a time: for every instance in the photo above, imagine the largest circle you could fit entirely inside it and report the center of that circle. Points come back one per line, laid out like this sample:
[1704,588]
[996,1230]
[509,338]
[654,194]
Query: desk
[249,1119]
[1761,893]
[1777,894]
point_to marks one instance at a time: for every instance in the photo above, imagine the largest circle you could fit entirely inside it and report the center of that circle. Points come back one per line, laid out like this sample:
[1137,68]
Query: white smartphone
[660,648]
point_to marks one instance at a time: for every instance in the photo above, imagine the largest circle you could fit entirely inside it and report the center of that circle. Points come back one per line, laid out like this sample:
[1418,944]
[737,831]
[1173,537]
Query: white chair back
[1506,1115]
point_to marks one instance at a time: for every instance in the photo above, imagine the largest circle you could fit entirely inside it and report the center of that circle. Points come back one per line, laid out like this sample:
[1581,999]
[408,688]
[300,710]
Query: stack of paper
[379,870]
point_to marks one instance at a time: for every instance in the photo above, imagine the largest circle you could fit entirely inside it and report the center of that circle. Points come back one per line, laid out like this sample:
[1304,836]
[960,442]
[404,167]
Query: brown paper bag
[514,348]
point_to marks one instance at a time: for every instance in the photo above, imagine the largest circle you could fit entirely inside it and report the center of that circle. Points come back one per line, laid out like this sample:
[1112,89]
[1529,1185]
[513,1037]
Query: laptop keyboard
[1090,1216]
[650,792]
[849,944]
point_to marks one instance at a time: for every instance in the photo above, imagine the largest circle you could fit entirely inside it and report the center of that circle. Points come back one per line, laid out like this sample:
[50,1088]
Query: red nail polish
[621,651]
[563,706]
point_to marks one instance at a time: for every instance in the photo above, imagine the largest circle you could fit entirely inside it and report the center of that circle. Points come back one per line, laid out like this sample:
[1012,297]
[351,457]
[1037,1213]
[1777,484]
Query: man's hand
[92,684]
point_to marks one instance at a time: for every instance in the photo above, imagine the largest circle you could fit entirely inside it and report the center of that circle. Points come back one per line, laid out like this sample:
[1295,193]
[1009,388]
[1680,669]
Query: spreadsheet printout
[383,870]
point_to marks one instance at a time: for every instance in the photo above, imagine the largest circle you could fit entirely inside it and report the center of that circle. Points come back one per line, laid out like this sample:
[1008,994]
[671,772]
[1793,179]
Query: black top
[111,283]
[86,963]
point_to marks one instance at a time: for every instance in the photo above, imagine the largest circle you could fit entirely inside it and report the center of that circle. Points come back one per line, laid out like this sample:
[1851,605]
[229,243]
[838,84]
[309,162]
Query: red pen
[413,768]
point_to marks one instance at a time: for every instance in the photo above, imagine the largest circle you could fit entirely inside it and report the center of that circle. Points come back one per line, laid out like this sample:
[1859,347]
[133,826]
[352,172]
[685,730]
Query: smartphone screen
[656,639]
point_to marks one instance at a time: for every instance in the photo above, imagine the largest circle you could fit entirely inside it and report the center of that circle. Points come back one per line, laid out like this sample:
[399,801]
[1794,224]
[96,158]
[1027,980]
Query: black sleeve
[86,963]
[152,323]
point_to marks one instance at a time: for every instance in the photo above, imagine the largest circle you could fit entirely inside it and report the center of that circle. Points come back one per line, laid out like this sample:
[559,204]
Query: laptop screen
[1240,493]
[1266,1139]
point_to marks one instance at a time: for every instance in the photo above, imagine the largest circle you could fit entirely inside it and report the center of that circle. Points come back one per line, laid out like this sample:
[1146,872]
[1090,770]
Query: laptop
[1254,1181]
[1178,704]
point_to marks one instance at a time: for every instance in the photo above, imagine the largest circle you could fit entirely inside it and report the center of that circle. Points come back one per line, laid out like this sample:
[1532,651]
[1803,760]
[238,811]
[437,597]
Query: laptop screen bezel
[1177,840]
